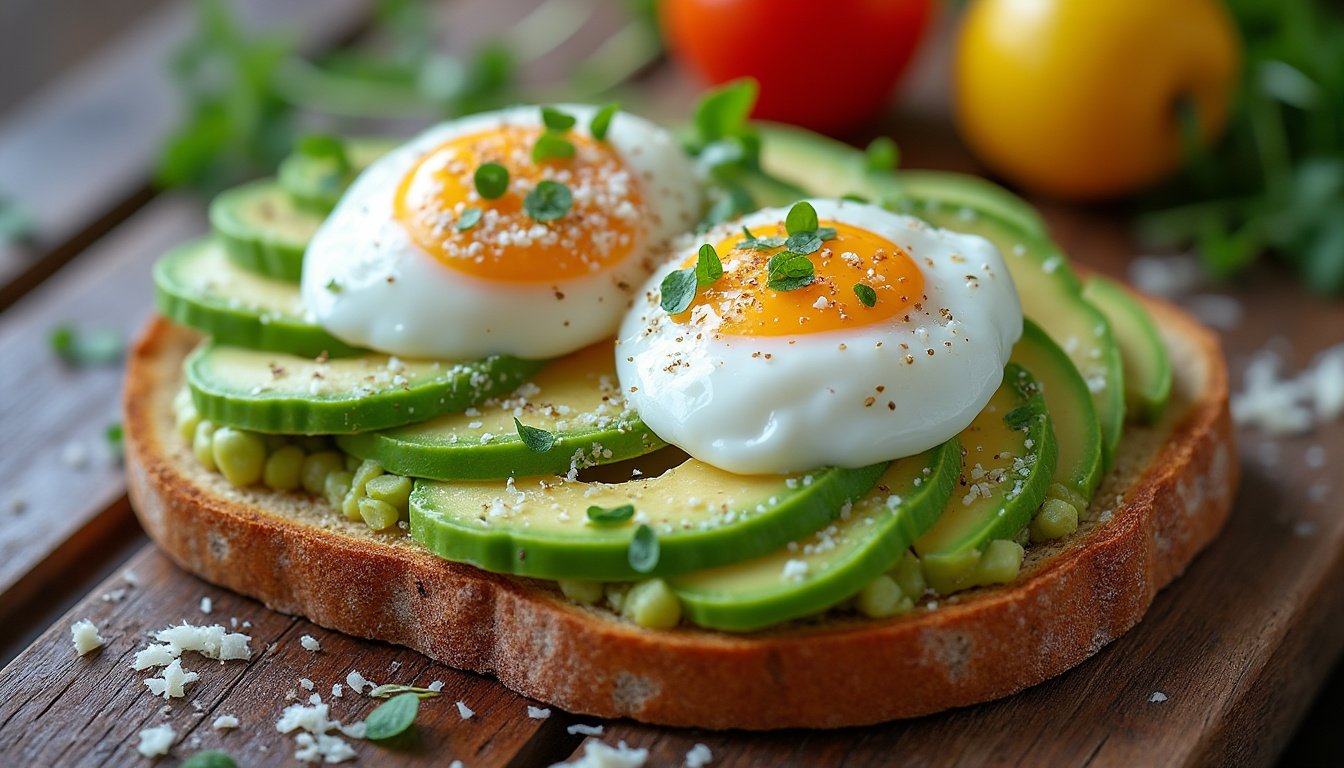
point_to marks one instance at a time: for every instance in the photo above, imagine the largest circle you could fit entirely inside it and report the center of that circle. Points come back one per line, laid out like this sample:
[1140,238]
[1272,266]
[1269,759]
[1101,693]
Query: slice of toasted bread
[1167,497]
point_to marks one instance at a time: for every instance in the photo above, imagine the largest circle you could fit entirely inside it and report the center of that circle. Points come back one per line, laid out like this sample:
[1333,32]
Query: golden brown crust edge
[1070,601]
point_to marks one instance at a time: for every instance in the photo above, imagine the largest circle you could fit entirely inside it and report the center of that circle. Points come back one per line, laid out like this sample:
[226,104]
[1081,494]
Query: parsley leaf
[470,217]
[536,440]
[392,717]
[866,294]
[548,201]
[881,154]
[325,147]
[788,271]
[678,290]
[803,242]
[100,347]
[601,121]
[334,286]
[754,243]
[725,110]
[708,267]
[826,233]
[1019,417]
[644,550]
[556,120]
[550,146]
[802,218]
[210,759]
[115,436]
[613,515]
[492,180]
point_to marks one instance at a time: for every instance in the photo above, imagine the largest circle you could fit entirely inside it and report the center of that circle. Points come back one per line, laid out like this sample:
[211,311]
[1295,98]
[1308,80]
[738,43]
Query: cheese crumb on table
[172,682]
[538,713]
[156,741]
[85,636]
[225,723]
[357,682]
[699,756]
[315,743]
[306,684]
[586,730]
[207,605]
[597,754]
[464,710]
[436,686]
[310,643]
[1157,698]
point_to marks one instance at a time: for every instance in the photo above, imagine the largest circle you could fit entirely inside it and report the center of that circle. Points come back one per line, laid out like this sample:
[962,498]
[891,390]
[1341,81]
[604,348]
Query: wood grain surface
[1238,646]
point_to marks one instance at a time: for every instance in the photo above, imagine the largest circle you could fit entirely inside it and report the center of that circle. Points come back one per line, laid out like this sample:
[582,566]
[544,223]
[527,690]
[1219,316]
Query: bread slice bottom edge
[1167,497]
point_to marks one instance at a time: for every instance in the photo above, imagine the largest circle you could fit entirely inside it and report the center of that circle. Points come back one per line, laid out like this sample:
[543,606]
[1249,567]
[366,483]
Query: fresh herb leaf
[548,201]
[754,243]
[803,242]
[866,294]
[115,437]
[724,111]
[611,515]
[392,717]
[644,550]
[678,290]
[99,347]
[708,267]
[601,121]
[388,690]
[882,154]
[536,440]
[210,759]
[733,201]
[854,197]
[551,146]
[826,233]
[326,148]
[492,180]
[1019,417]
[802,217]
[556,120]
[470,217]
[788,271]
[15,222]
[334,286]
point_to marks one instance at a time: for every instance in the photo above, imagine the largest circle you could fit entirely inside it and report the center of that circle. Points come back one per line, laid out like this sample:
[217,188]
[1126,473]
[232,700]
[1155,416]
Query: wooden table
[1239,645]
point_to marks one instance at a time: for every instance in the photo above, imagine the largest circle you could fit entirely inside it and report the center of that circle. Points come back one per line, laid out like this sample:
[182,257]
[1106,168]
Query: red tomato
[823,64]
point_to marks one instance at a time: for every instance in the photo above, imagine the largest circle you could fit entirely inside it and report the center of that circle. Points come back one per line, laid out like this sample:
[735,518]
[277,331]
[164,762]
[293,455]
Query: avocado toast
[790,589]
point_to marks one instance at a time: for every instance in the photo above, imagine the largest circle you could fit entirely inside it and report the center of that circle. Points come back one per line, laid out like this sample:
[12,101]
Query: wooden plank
[77,158]
[59,708]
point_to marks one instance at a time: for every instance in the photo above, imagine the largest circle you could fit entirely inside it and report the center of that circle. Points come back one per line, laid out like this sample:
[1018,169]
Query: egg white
[392,297]
[774,404]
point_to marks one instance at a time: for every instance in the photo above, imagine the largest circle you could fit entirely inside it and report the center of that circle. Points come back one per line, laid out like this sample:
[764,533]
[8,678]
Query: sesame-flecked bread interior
[1166,498]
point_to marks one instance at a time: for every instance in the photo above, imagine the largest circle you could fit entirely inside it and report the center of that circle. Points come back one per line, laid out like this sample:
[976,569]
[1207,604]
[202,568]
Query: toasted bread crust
[1177,480]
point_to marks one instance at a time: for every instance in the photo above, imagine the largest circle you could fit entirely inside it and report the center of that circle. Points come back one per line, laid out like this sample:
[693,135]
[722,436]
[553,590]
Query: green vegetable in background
[1276,182]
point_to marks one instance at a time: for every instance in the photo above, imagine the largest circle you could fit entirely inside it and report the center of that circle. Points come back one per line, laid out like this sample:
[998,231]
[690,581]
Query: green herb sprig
[492,180]
[393,717]
[548,201]
[536,440]
[644,550]
[605,515]
[678,288]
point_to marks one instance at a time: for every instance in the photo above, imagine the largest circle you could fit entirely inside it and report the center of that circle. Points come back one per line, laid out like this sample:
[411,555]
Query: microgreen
[724,111]
[754,243]
[601,121]
[326,148]
[678,290]
[802,217]
[556,120]
[210,759]
[551,146]
[788,271]
[548,201]
[644,550]
[866,294]
[492,180]
[470,217]
[100,347]
[803,242]
[708,267]
[536,440]
[115,436]
[855,197]
[611,514]
[392,717]
[388,690]
[1019,417]
[881,155]
[333,287]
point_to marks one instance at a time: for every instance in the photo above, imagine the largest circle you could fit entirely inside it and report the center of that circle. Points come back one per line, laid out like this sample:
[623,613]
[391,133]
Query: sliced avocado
[700,517]
[1008,457]
[576,399]
[823,569]
[315,184]
[1051,293]
[262,229]
[288,394]
[197,285]
[1077,431]
[832,168]
[1147,363]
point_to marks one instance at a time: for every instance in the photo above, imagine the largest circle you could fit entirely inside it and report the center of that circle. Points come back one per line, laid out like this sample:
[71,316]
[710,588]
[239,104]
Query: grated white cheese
[315,743]
[306,684]
[794,570]
[586,730]
[322,748]
[538,713]
[1157,698]
[310,643]
[337,691]
[156,741]
[1284,406]
[172,681]
[597,754]
[75,455]
[225,723]
[464,711]
[160,655]
[435,686]
[85,636]
[699,756]
[207,605]
[357,682]
[212,642]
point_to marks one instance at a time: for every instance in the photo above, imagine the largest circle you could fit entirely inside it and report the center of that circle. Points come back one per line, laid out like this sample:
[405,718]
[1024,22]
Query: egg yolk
[599,229]
[746,305]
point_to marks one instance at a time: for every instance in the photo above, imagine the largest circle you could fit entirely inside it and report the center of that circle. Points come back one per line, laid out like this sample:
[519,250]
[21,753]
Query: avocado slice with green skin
[1051,293]
[315,184]
[1008,460]
[829,167]
[287,394]
[576,398]
[701,516]
[197,285]
[821,570]
[1147,363]
[262,230]
[1077,431]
